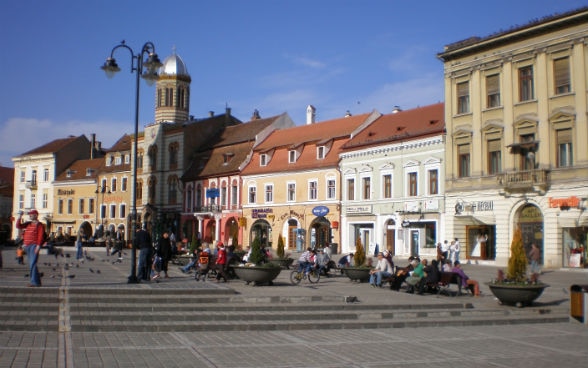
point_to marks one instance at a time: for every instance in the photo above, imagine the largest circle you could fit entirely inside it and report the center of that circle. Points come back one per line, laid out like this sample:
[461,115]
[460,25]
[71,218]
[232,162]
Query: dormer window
[69,173]
[89,172]
[321,152]
[227,157]
[118,160]
[292,156]
[127,159]
[109,160]
[263,159]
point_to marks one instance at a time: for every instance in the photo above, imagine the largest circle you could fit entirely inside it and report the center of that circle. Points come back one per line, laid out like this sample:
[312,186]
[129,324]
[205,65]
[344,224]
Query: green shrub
[517,262]
[280,251]
[256,256]
[359,256]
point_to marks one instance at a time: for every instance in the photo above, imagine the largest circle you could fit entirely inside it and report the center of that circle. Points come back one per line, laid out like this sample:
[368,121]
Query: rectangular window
[45,175]
[20,201]
[527,161]
[492,91]
[463,97]
[564,148]
[331,189]
[34,177]
[123,184]
[45,200]
[113,185]
[123,211]
[81,208]
[269,193]
[463,156]
[291,157]
[234,195]
[494,156]
[366,184]
[433,182]
[60,206]
[350,189]
[387,183]
[113,211]
[526,89]
[223,196]
[312,190]
[252,195]
[320,152]
[118,160]
[70,206]
[412,184]
[263,160]
[561,73]
[33,201]
[91,205]
[22,176]
[102,211]
[291,192]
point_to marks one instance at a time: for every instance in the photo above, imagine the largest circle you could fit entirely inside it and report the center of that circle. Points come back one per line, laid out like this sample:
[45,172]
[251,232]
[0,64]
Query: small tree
[256,256]
[280,251]
[194,244]
[359,256]
[517,262]
[235,241]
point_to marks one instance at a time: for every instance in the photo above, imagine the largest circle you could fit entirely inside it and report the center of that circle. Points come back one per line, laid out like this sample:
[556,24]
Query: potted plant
[359,271]
[283,260]
[516,288]
[257,270]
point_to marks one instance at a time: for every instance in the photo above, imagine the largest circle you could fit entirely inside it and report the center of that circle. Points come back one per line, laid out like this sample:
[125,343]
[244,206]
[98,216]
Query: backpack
[203,260]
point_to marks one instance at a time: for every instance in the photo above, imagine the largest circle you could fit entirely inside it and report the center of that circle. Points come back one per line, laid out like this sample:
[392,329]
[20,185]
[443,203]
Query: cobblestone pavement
[532,345]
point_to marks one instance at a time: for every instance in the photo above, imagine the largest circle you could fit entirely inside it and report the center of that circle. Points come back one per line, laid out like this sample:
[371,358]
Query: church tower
[172,95]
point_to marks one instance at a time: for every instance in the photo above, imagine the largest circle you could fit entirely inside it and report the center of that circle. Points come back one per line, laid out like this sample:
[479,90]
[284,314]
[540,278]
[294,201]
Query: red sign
[564,202]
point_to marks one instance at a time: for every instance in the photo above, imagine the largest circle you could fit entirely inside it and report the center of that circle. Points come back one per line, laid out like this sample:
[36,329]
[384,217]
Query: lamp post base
[133,279]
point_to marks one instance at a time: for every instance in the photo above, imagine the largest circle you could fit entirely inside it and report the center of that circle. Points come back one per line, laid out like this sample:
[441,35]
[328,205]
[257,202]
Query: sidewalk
[537,345]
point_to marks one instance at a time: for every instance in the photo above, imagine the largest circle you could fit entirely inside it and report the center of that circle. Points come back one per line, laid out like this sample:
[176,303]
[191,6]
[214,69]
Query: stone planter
[257,275]
[518,295]
[357,274]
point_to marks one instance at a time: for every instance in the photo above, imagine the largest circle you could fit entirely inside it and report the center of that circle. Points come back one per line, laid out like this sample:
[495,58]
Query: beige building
[516,154]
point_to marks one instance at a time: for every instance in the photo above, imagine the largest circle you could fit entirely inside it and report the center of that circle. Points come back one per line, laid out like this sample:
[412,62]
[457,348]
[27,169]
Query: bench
[446,280]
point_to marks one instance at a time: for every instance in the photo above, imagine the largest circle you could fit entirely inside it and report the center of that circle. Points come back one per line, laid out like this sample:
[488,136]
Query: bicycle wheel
[295,277]
[314,276]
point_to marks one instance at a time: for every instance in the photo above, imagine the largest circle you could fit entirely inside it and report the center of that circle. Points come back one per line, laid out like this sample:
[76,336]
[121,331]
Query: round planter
[357,274]
[257,275]
[519,295]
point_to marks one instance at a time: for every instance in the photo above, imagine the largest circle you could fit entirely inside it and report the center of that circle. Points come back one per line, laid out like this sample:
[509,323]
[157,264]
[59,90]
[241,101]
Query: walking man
[33,239]
[143,243]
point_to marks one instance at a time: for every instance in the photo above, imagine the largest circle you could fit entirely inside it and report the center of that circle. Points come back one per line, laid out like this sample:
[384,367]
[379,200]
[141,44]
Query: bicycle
[313,276]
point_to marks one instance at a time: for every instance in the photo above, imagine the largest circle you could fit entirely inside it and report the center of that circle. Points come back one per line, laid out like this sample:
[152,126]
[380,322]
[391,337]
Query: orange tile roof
[123,144]
[401,126]
[51,147]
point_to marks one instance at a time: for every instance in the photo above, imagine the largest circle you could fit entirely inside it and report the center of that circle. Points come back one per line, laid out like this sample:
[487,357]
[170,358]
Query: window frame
[526,83]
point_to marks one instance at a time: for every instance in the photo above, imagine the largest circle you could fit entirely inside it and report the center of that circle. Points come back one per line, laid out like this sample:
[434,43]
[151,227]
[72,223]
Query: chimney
[93,145]
[396,109]
[347,113]
[211,114]
[310,114]
[255,115]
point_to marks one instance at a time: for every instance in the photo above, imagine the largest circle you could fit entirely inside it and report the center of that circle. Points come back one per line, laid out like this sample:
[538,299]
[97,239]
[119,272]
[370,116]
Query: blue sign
[320,211]
[212,193]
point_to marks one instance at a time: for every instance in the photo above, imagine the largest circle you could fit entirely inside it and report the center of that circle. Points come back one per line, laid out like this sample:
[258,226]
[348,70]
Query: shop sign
[212,193]
[66,192]
[568,202]
[261,212]
[319,211]
[359,209]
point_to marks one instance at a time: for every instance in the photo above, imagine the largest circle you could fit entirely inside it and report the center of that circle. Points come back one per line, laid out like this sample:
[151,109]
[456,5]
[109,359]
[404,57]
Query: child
[156,268]
[20,255]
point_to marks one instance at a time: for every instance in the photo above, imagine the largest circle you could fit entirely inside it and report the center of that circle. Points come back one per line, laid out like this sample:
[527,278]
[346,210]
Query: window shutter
[494,145]
[564,136]
[561,71]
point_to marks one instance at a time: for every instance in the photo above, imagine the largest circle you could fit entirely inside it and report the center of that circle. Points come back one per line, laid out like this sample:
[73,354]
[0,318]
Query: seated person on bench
[383,270]
[466,282]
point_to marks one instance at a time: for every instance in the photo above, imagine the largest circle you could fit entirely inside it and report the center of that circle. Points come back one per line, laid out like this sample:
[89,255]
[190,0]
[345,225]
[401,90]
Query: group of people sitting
[419,276]
[203,262]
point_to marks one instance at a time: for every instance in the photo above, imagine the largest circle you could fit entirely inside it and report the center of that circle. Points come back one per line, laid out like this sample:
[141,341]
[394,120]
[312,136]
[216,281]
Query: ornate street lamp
[103,189]
[144,64]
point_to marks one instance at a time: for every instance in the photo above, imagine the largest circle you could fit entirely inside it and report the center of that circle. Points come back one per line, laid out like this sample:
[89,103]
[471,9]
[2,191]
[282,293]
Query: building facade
[516,154]
[392,189]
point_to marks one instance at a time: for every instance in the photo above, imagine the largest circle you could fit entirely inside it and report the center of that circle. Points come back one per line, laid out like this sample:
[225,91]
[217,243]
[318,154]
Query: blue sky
[271,55]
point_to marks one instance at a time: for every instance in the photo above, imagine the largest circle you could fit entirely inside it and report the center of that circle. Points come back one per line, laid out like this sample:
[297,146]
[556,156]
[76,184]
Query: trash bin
[334,247]
[579,303]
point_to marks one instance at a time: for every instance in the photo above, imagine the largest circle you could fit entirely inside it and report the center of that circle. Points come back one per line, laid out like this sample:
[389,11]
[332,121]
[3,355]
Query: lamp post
[104,189]
[147,59]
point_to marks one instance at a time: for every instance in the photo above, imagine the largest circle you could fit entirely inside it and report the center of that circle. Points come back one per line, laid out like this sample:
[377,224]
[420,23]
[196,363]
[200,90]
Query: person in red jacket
[33,238]
[221,262]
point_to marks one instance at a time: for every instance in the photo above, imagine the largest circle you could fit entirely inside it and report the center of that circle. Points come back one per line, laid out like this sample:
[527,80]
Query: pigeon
[91,270]
[97,271]
[71,276]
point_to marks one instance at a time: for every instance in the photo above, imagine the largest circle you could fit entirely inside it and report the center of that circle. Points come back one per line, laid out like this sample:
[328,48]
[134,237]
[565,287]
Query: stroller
[156,268]
[203,267]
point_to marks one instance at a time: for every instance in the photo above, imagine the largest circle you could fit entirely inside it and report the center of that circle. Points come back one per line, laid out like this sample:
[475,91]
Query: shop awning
[572,220]
[478,219]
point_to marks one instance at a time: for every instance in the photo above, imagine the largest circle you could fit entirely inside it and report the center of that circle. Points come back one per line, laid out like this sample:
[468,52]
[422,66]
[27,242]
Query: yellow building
[516,154]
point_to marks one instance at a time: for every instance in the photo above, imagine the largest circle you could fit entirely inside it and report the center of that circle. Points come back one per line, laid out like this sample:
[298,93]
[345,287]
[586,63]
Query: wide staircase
[222,309]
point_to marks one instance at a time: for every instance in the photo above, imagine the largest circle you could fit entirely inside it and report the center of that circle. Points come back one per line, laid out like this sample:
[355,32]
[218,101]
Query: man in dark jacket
[165,252]
[143,243]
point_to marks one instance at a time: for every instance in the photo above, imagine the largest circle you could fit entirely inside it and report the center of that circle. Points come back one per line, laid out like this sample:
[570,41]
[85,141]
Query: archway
[530,221]
[261,229]
[320,232]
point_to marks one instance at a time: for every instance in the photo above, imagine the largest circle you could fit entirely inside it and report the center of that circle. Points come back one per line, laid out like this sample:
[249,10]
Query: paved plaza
[563,344]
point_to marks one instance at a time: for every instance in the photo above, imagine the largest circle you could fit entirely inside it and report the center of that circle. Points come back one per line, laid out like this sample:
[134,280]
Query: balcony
[525,181]
[211,208]
[31,184]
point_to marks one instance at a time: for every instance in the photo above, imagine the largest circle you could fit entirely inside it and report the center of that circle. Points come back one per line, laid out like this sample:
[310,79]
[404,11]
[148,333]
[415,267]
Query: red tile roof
[51,147]
[401,126]
[78,170]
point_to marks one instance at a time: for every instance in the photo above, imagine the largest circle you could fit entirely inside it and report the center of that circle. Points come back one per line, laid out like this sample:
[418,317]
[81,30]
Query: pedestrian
[108,242]
[445,250]
[452,252]
[165,252]
[80,246]
[119,241]
[221,261]
[457,249]
[20,254]
[535,257]
[143,243]
[33,239]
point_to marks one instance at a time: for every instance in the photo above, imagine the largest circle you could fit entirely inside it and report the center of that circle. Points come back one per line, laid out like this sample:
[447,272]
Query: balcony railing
[31,184]
[525,181]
